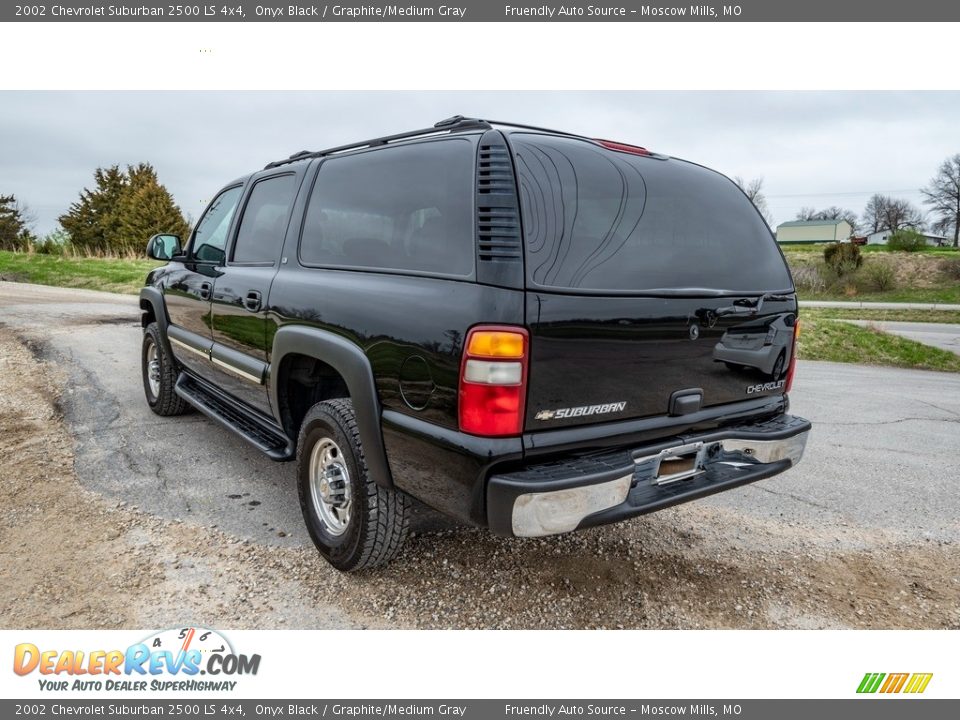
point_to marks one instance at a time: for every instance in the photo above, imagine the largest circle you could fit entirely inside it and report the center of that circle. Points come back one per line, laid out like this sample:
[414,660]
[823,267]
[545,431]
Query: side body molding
[349,360]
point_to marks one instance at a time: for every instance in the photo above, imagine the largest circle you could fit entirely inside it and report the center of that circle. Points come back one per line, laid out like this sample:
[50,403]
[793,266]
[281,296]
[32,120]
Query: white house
[881,237]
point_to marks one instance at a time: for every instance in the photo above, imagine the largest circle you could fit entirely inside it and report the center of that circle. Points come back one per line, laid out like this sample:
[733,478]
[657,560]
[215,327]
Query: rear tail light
[793,356]
[493,381]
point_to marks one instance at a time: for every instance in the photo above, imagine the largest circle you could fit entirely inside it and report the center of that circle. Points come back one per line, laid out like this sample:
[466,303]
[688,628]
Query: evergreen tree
[123,211]
[14,233]
[147,208]
[91,221]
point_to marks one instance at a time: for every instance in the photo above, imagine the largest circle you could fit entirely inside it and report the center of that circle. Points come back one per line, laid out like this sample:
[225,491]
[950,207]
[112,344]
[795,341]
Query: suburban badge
[582,411]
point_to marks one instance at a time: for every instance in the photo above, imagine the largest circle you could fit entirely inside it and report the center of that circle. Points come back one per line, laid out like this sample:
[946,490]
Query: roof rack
[457,123]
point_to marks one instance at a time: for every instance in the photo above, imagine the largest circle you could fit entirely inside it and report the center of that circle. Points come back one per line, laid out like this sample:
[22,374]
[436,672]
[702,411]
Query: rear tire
[354,523]
[160,375]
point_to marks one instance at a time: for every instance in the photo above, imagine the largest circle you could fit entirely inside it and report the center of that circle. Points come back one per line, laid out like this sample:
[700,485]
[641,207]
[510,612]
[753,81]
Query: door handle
[252,301]
[205,289]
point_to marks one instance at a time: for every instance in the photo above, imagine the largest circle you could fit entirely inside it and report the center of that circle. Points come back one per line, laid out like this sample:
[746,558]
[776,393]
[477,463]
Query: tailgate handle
[685,402]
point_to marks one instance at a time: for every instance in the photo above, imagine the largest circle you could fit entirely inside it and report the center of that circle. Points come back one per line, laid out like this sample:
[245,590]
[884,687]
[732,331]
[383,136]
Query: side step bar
[256,430]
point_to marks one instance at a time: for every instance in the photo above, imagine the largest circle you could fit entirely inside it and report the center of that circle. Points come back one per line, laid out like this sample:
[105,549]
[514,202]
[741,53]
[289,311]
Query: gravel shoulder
[71,558]
[75,554]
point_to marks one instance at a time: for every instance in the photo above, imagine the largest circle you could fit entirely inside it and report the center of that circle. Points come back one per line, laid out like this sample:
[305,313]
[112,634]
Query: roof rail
[457,123]
[535,127]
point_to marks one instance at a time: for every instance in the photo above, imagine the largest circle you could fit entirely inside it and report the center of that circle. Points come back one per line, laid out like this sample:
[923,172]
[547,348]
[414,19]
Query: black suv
[524,329]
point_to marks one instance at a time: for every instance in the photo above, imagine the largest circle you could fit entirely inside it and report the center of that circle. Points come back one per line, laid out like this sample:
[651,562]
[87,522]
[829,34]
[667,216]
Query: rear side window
[264,220]
[398,208]
[603,221]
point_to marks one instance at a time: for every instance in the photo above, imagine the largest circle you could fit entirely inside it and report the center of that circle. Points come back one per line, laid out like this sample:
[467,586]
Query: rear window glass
[598,220]
[399,208]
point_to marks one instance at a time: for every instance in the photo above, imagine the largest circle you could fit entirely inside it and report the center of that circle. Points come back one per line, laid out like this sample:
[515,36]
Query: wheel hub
[330,486]
[153,370]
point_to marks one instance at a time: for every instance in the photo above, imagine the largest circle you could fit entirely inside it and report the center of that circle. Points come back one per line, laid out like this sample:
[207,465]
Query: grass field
[108,274]
[871,249]
[945,293]
[825,339]
[927,276]
[930,316]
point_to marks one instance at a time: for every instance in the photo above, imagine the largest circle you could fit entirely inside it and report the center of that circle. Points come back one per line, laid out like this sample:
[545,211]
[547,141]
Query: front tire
[159,375]
[354,523]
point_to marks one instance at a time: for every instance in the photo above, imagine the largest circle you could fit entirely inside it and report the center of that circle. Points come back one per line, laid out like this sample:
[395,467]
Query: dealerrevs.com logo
[168,660]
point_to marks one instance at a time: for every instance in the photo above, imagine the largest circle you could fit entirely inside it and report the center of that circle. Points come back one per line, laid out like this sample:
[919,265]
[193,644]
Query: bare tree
[887,213]
[942,194]
[753,189]
[873,213]
[831,213]
[27,214]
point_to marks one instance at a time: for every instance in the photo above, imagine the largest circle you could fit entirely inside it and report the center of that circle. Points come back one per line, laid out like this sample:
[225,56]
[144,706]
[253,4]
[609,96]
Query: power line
[845,193]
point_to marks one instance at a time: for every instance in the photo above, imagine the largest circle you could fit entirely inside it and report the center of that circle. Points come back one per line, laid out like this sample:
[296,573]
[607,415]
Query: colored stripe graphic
[870,682]
[918,683]
[894,683]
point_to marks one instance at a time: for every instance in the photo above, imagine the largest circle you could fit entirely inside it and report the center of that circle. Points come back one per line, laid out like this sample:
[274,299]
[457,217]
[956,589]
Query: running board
[257,431]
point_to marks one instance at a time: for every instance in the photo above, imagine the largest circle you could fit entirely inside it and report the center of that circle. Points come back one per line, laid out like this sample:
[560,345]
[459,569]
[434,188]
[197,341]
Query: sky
[811,148]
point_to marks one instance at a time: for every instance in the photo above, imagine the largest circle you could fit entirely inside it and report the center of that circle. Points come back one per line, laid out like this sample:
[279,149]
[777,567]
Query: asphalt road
[882,457]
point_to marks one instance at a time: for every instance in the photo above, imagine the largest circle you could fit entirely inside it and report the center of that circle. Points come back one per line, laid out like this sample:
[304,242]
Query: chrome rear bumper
[601,488]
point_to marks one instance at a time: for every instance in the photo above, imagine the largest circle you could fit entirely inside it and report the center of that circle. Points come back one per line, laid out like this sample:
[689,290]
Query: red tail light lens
[493,381]
[793,356]
[623,147]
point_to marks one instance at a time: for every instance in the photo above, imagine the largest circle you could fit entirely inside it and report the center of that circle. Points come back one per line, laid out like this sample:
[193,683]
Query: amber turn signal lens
[495,344]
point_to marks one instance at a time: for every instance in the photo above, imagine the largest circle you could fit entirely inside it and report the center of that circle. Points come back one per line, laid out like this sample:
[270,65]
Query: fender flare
[152,297]
[348,359]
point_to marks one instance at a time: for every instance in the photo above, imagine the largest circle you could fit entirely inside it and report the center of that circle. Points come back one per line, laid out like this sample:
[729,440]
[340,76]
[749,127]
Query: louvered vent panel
[494,171]
[498,232]
[498,221]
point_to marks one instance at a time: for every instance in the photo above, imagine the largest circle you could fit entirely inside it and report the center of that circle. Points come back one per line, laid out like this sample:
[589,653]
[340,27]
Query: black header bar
[486,11]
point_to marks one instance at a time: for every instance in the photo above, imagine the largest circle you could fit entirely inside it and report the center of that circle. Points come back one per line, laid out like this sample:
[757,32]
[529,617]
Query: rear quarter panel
[412,328]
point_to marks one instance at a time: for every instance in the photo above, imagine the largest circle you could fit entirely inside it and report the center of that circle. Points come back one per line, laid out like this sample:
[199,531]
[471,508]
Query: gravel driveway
[172,520]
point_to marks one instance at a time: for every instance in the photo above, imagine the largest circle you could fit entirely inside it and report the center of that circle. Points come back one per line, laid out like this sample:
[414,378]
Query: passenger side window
[264,220]
[210,235]
[408,207]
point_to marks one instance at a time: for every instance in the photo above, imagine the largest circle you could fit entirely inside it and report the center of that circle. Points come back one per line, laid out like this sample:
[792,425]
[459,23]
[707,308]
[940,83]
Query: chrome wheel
[153,370]
[330,486]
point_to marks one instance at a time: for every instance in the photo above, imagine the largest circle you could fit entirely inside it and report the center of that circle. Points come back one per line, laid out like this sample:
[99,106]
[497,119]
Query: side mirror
[163,246]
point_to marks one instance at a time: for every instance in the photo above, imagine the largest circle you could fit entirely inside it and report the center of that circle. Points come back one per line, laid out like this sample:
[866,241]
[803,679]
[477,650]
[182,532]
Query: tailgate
[602,359]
